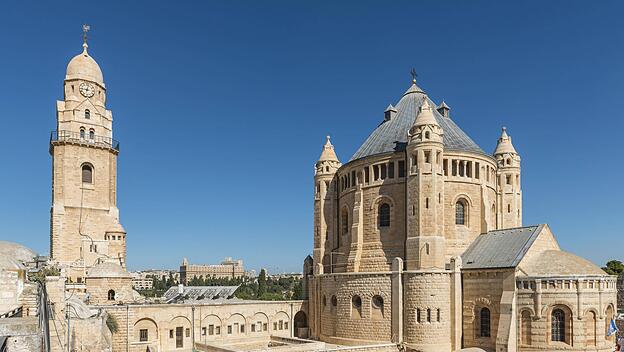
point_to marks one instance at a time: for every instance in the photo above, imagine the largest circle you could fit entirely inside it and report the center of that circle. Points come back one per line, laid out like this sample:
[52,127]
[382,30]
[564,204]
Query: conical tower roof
[504,145]
[391,135]
[328,153]
[425,116]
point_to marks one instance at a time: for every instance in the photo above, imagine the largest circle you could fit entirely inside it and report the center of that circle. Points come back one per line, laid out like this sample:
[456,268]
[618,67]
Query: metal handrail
[84,138]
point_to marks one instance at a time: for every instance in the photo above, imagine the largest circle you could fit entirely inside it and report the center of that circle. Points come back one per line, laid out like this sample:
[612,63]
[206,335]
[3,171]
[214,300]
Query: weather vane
[414,75]
[85,29]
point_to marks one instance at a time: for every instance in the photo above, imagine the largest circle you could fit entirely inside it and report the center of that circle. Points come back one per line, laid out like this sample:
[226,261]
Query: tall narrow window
[391,169]
[383,171]
[87,114]
[366,175]
[356,307]
[401,168]
[558,325]
[428,315]
[460,213]
[484,322]
[384,215]
[525,329]
[82,133]
[87,173]
[418,315]
[91,134]
[111,295]
[345,221]
[143,335]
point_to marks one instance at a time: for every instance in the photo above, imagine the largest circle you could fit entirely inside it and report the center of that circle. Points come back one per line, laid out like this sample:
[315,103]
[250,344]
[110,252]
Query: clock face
[87,90]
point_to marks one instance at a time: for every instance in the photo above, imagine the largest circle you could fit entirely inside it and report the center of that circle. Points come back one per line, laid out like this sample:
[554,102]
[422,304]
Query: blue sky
[222,108]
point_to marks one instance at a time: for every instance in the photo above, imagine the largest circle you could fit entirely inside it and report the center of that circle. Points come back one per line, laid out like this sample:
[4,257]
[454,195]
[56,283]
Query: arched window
[377,303]
[87,173]
[356,307]
[426,134]
[91,134]
[384,215]
[484,322]
[591,328]
[558,325]
[460,213]
[87,114]
[525,329]
[334,301]
[82,133]
[344,221]
[111,295]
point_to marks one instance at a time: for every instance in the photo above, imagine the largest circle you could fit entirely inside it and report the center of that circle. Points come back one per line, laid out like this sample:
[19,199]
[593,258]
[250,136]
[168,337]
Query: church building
[419,240]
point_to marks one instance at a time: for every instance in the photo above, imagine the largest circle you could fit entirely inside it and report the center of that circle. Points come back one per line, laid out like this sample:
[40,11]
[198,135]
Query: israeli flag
[612,328]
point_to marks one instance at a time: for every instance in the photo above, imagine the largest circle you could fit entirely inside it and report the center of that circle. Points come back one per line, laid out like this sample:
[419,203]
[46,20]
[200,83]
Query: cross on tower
[85,29]
[414,75]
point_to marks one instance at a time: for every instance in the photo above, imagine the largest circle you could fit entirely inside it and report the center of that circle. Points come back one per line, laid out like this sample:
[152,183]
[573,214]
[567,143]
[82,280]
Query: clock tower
[84,222]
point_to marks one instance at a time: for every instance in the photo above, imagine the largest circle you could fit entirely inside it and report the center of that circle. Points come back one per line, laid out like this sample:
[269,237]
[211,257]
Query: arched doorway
[301,325]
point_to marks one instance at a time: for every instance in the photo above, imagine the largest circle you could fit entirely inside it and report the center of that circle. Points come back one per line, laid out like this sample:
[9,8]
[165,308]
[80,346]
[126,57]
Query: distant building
[228,268]
[142,283]
[620,292]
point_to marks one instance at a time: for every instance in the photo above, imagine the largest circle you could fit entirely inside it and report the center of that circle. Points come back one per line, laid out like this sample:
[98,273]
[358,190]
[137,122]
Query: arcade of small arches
[179,331]
[375,303]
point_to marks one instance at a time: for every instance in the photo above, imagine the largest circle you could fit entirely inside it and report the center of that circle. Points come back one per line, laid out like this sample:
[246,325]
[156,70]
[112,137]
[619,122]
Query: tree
[298,290]
[614,267]
[262,283]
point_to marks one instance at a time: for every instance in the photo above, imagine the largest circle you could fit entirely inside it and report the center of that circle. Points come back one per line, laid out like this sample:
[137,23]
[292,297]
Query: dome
[10,264]
[560,263]
[108,269]
[16,251]
[391,135]
[82,66]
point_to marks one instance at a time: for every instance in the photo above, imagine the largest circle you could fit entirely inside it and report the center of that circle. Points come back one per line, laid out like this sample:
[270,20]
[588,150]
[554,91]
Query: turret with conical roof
[426,245]
[324,198]
[509,192]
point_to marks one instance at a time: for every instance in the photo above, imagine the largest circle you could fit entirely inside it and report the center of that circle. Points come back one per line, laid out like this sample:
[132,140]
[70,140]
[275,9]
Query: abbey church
[419,240]
[418,245]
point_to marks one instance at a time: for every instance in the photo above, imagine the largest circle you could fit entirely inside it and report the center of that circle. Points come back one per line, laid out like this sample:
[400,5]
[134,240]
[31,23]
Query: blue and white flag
[612,328]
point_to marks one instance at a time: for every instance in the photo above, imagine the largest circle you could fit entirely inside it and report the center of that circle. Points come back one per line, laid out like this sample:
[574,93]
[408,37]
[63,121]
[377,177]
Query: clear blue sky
[222,108]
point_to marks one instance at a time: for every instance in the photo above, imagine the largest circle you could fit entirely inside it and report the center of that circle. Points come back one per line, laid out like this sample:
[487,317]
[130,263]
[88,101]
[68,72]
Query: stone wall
[341,322]
[426,312]
[482,289]
[589,306]
[213,324]
[620,293]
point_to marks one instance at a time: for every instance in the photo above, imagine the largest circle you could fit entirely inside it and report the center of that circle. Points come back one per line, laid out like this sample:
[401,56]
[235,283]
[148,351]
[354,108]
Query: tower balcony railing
[83,139]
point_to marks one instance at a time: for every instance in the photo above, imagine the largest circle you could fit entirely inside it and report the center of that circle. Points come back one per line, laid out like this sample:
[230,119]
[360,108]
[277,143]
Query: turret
[425,226]
[509,192]
[324,200]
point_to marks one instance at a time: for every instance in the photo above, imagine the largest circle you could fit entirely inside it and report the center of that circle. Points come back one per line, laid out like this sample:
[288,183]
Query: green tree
[614,267]
[262,283]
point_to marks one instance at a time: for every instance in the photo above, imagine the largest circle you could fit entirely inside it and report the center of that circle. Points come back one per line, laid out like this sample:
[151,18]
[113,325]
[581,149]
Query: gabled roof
[500,248]
[391,135]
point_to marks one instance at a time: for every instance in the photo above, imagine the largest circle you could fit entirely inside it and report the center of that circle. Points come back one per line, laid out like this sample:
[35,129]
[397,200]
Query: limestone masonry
[418,239]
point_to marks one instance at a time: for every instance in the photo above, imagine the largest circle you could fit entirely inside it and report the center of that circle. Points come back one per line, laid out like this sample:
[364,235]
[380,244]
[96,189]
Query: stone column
[397,300]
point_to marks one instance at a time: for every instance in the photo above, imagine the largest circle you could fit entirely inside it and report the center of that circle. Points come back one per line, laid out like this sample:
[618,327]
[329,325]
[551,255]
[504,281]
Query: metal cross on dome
[414,75]
[85,29]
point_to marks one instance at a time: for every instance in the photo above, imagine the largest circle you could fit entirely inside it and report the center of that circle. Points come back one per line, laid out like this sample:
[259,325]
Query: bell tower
[84,222]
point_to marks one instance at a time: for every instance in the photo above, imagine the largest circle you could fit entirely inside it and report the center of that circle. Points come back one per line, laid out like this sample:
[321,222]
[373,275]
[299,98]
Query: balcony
[86,139]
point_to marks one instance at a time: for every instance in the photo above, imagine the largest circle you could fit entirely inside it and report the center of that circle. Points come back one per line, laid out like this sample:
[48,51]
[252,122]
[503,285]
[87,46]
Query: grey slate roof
[500,248]
[392,135]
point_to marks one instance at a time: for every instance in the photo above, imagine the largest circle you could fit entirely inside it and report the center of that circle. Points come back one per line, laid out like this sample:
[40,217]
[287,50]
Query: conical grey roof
[391,135]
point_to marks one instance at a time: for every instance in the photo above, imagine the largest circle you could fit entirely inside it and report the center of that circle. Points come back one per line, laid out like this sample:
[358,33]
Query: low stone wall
[166,327]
